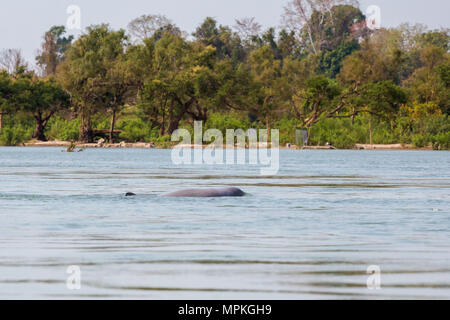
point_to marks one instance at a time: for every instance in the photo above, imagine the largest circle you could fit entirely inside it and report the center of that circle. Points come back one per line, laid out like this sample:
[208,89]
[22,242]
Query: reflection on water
[310,232]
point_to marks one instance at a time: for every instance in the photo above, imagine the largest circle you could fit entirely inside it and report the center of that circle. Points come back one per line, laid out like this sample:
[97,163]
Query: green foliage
[63,130]
[223,122]
[227,43]
[13,136]
[287,130]
[331,61]
[136,130]
[441,141]
[337,132]
[383,98]
[6,92]
[419,141]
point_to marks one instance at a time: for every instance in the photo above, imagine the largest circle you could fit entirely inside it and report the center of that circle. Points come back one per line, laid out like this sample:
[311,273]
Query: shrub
[419,141]
[135,130]
[61,129]
[223,122]
[13,136]
[441,141]
[287,128]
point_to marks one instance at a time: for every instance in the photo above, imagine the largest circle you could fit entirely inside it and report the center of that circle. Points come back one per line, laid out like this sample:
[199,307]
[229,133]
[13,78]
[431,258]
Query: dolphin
[202,193]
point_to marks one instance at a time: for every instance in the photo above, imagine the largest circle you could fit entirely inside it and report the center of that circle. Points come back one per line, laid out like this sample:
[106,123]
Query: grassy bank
[342,133]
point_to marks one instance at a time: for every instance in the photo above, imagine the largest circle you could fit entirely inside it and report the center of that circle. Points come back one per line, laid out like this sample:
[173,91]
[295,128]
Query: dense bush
[135,130]
[12,136]
[340,133]
[223,122]
[64,130]
[287,127]
[441,141]
[419,141]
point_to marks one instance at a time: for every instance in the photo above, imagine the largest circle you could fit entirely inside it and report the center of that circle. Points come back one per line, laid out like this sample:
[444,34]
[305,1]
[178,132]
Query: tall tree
[87,64]
[266,72]
[307,17]
[227,43]
[430,82]
[183,83]
[53,49]
[119,88]
[12,61]
[145,26]
[247,28]
[379,59]
[163,96]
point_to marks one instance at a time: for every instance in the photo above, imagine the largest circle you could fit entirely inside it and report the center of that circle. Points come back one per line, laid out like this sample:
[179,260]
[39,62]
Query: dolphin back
[207,193]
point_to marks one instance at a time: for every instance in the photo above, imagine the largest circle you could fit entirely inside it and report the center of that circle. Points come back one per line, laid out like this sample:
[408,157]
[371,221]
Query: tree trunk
[370,130]
[111,130]
[173,125]
[162,128]
[85,134]
[174,120]
[1,122]
[39,131]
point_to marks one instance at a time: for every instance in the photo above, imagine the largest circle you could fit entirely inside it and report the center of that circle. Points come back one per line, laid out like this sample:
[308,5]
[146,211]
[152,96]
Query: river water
[310,232]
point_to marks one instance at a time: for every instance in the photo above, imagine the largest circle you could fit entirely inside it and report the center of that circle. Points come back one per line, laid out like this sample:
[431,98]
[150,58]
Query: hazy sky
[23,22]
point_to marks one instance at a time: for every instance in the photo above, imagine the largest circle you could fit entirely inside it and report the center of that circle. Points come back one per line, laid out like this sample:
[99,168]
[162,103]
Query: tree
[227,43]
[266,92]
[163,97]
[430,82]
[119,87]
[87,64]
[40,97]
[6,94]
[437,38]
[12,61]
[182,82]
[145,26]
[287,45]
[247,28]
[335,27]
[236,87]
[378,59]
[53,49]
[318,99]
[306,18]
[382,99]
[331,61]
[412,40]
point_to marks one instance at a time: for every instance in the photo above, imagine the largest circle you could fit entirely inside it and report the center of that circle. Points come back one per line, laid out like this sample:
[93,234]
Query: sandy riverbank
[389,147]
[144,145]
[58,143]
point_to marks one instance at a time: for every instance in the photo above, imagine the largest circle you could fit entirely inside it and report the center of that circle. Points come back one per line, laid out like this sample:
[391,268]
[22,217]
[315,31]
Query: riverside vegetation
[325,71]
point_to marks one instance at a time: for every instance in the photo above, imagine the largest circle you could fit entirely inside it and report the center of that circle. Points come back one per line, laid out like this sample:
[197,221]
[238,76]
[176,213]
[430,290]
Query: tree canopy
[323,63]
